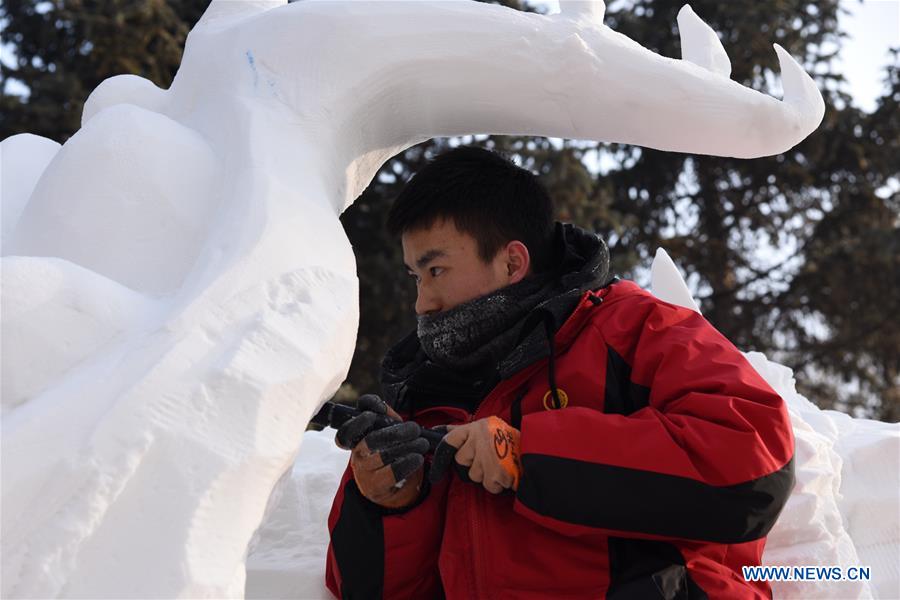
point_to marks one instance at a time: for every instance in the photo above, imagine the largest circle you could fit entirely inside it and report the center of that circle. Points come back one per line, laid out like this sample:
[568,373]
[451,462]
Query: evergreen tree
[64,48]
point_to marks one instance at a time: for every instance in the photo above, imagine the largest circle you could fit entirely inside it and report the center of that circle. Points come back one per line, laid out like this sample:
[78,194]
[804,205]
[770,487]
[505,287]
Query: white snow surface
[178,295]
[23,158]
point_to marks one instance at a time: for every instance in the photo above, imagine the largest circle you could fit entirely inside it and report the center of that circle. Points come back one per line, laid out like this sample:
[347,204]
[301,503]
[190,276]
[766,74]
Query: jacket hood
[581,263]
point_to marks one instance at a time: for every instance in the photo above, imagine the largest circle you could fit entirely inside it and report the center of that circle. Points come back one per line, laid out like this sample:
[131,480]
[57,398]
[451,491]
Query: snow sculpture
[179,296]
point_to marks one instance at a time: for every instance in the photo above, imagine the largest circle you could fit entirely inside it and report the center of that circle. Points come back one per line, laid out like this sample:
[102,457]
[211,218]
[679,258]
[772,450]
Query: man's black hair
[486,196]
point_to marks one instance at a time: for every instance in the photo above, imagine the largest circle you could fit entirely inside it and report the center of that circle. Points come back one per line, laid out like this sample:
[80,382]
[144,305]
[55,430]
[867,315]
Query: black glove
[444,457]
[383,457]
[350,433]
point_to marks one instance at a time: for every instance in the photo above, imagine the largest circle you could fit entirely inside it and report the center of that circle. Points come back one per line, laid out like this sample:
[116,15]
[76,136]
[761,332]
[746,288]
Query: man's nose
[426,302]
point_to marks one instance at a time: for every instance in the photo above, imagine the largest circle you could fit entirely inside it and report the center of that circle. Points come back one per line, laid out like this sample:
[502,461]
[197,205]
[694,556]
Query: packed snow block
[56,315]
[810,530]
[124,89]
[868,487]
[667,282]
[810,526]
[845,507]
[165,462]
[131,196]
[286,558]
[870,495]
[23,159]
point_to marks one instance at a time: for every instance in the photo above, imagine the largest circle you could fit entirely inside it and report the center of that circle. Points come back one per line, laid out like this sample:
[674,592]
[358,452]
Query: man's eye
[435,271]
[414,276]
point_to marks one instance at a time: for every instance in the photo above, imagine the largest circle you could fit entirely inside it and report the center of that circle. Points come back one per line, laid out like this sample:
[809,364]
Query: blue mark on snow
[272,88]
[252,62]
[271,82]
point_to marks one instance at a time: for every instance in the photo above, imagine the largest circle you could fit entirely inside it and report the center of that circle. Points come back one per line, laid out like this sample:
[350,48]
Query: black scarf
[482,330]
[486,330]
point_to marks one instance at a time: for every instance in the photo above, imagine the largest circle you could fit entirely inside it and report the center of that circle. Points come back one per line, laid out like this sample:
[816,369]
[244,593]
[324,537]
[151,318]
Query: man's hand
[387,463]
[488,447]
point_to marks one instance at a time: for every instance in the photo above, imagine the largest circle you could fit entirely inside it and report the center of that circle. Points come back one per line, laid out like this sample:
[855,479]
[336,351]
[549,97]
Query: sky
[872,27]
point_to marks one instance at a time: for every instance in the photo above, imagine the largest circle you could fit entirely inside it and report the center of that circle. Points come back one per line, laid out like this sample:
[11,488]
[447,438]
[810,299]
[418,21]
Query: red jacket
[658,477]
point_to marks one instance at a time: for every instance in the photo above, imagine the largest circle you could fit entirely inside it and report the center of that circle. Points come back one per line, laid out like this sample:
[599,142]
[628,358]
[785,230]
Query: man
[606,443]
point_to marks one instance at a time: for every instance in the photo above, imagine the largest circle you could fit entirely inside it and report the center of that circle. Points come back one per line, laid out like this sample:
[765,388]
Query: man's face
[448,270]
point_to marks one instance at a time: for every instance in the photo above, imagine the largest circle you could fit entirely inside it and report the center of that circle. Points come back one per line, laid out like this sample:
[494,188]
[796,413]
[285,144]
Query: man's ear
[518,261]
